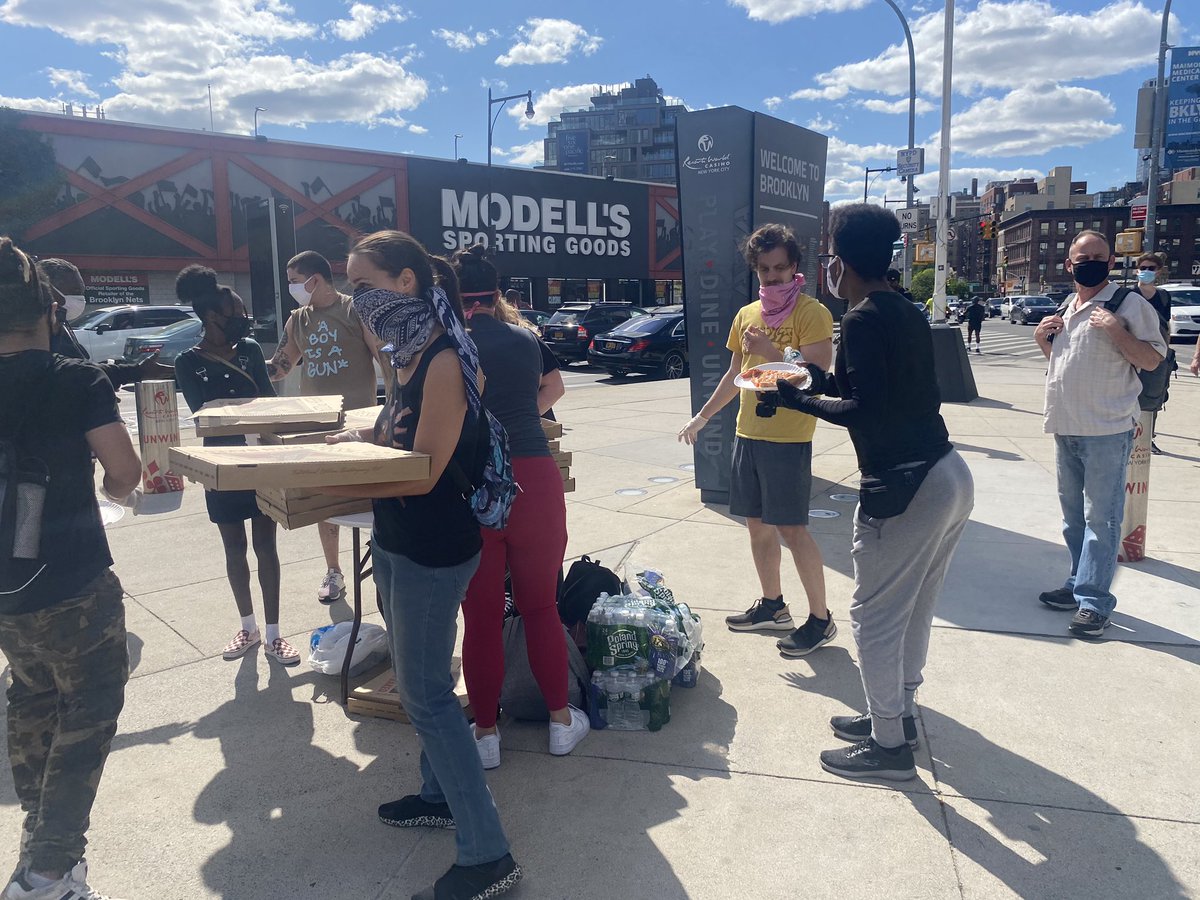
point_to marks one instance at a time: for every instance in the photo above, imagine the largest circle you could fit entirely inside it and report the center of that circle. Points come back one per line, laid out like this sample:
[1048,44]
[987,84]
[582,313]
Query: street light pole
[867,174]
[491,125]
[257,110]
[1157,126]
[456,137]
[912,123]
[943,221]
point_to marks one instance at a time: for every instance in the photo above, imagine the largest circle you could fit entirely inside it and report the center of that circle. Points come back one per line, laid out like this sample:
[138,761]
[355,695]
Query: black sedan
[1031,310]
[654,344]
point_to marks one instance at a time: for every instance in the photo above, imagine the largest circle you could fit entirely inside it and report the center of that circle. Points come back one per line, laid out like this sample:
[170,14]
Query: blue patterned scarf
[404,324]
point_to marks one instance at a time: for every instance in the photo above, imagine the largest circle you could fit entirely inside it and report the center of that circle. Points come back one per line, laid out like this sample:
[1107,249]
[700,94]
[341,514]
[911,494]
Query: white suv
[102,332]
[1185,309]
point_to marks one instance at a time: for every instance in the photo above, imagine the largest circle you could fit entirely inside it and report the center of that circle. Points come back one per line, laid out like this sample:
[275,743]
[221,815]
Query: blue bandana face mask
[402,322]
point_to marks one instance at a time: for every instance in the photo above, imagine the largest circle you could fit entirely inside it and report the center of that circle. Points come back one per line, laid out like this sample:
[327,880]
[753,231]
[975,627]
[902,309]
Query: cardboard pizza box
[269,415]
[355,418]
[315,465]
[378,696]
[552,429]
[562,457]
[289,517]
[568,485]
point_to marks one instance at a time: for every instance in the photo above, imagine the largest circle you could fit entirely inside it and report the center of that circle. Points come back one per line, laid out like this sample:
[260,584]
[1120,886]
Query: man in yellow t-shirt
[772,455]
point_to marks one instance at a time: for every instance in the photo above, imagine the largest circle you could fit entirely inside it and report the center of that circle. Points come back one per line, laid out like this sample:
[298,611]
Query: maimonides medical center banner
[548,225]
[1182,141]
[737,170]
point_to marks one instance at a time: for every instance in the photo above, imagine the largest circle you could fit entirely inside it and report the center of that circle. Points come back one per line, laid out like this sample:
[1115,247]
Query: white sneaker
[565,738]
[489,750]
[72,886]
[333,587]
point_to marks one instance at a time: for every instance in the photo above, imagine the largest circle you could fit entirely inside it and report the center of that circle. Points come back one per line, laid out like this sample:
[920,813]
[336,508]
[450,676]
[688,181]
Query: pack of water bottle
[639,643]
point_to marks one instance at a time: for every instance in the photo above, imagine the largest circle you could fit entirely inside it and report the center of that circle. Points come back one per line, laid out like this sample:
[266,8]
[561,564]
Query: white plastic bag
[328,648]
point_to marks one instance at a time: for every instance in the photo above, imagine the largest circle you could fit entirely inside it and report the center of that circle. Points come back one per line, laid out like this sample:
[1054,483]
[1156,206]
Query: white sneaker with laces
[565,738]
[489,749]
[333,587]
[72,886]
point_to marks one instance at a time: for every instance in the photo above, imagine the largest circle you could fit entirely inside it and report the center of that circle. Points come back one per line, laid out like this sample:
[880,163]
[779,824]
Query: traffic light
[983,230]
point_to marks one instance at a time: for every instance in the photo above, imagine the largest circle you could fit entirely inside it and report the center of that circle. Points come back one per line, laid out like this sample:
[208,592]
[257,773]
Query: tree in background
[29,176]
[922,284]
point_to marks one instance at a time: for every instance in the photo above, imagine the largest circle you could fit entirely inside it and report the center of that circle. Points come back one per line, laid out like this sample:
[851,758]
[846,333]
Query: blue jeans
[420,606]
[1091,490]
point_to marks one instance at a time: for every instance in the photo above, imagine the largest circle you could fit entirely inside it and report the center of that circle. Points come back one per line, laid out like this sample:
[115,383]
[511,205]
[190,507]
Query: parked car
[535,317]
[1185,310]
[1030,310]
[569,331]
[655,343]
[167,342]
[103,332]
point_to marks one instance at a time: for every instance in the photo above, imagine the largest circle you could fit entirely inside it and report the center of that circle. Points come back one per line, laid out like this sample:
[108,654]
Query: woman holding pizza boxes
[227,364]
[426,543]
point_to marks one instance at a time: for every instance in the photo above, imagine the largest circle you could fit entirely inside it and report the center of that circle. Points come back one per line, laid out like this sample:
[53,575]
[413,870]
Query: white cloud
[71,80]
[530,154]
[821,124]
[548,41]
[1005,45]
[365,18]
[896,107]
[229,43]
[550,104]
[772,103]
[33,104]
[1032,120]
[418,129]
[462,40]
[776,11]
[496,84]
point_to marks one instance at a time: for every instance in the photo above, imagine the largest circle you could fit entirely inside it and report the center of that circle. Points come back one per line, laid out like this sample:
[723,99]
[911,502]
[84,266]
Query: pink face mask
[778,300]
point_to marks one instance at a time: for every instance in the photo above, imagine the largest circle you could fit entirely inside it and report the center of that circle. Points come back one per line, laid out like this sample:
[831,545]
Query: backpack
[520,695]
[586,580]
[1155,382]
[490,487]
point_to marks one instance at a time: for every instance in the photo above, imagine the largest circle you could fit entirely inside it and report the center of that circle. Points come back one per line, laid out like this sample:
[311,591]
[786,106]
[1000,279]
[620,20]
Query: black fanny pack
[888,493]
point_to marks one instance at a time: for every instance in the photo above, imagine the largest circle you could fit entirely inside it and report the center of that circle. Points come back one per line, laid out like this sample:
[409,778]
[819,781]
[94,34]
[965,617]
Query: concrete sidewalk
[1049,767]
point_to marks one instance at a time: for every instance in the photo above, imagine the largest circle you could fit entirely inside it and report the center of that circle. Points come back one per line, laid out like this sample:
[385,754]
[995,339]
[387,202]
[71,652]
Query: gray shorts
[771,481]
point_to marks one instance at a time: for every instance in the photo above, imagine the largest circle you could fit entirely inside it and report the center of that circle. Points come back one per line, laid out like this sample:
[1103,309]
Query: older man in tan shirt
[1092,390]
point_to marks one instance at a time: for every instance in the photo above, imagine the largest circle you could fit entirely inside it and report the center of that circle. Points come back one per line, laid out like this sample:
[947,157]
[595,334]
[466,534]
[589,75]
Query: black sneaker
[1088,623]
[1059,598]
[867,759]
[413,812]
[808,637]
[858,728]
[475,882]
[764,615]
[1154,448]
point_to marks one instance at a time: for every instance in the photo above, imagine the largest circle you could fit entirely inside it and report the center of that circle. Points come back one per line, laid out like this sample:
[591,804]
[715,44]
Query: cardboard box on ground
[377,695]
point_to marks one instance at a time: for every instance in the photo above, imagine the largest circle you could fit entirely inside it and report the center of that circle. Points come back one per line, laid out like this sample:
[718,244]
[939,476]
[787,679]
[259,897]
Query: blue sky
[1039,83]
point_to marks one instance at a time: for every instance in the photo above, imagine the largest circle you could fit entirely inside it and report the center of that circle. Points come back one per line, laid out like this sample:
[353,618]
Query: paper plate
[791,368]
[110,513]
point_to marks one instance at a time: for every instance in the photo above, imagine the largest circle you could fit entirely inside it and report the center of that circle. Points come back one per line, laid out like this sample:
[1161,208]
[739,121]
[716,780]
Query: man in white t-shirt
[1092,390]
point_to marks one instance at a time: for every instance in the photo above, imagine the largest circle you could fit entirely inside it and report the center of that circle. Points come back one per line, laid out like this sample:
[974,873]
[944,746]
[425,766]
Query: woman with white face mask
[915,494]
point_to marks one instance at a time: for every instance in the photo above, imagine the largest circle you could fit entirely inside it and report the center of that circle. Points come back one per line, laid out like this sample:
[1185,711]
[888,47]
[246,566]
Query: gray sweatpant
[899,566]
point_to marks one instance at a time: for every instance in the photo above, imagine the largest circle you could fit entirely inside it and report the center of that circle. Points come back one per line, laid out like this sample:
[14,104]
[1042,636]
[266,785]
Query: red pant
[531,548]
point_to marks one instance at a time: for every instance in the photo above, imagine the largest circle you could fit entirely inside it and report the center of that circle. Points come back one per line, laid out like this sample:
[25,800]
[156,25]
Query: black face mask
[235,328]
[1090,272]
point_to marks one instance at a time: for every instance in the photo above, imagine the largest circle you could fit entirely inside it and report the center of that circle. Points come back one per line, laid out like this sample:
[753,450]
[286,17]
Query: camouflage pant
[69,666]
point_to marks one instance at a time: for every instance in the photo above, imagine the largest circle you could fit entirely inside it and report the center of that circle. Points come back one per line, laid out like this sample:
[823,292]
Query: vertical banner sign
[1182,136]
[1137,493]
[158,432]
[789,186]
[573,147]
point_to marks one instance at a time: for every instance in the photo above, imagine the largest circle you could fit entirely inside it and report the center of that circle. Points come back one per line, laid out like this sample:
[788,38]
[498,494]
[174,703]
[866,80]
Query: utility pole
[941,258]
[1158,124]
[912,129]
